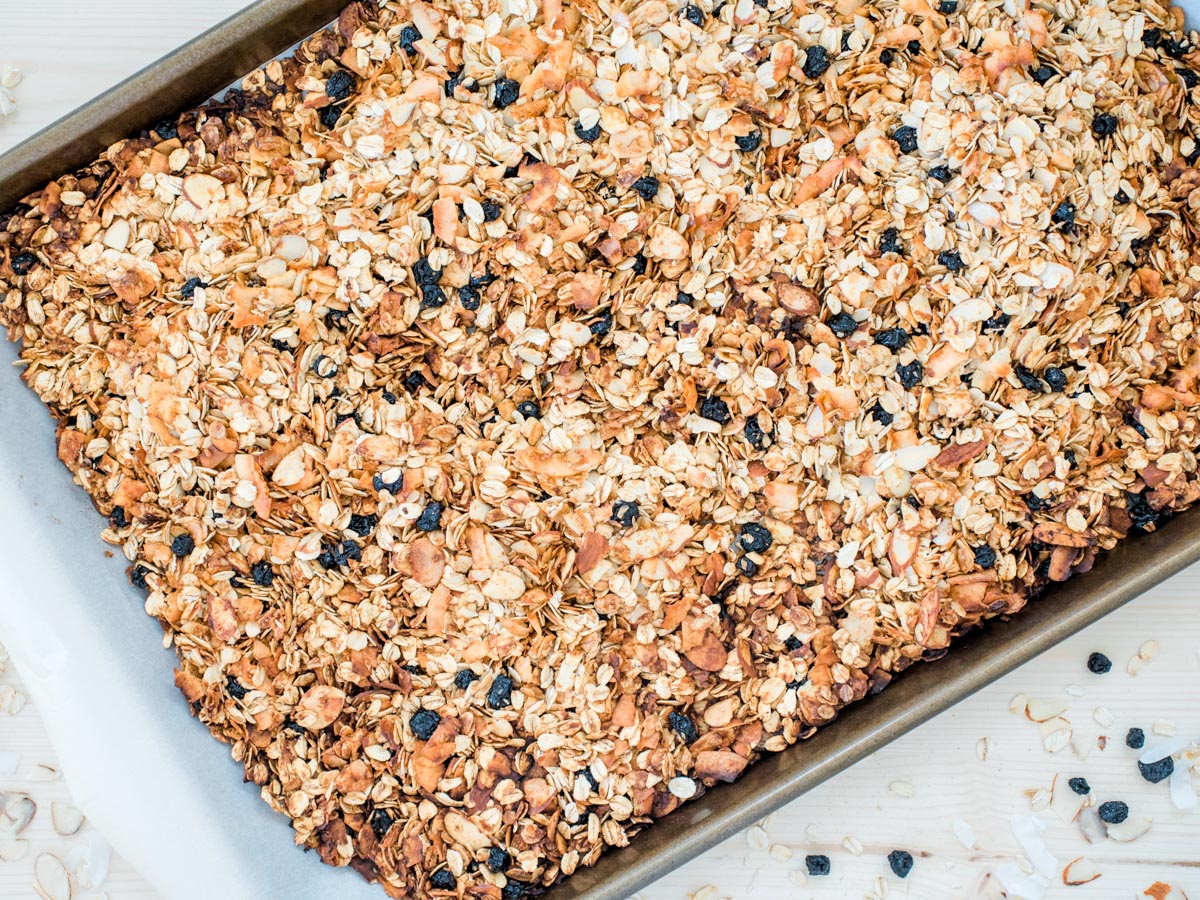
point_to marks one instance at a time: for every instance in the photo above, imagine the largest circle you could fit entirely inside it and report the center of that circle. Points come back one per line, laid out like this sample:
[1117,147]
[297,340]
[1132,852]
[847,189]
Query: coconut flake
[916,457]
[9,760]
[1017,884]
[1183,796]
[66,817]
[1163,749]
[1064,801]
[12,849]
[964,833]
[1028,832]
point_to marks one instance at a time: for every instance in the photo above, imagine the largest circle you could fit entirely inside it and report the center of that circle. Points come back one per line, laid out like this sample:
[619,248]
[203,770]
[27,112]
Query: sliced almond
[1056,734]
[1041,709]
[1130,830]
[201,190]
[53,879]
[1064,801]
[1080,870]
[1019,704]
[1091,825]
[66,817]
[20,810]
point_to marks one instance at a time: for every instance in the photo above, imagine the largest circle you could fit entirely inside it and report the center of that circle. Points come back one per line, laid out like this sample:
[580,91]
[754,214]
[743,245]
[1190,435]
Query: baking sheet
[155,782]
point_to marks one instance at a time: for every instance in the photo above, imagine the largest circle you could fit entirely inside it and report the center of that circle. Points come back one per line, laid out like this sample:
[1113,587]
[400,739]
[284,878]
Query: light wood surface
[71,51]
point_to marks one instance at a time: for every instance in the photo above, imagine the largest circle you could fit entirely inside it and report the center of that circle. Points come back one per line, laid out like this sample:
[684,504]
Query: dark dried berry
[746,566]
[340,85]
[415,381]
[329,115]
[748,143]
[189,287]
[182,545]
[500,693]
[1064,214]
[22,263]
[529,409]
[464,679]
[817,864]
[1099,664]
[587,134]
[625,513]
[647,187]
[1114,812]
[443,880]
[262,574]
[985,556]
[1079,786]
[1056,378]
[505,92]
[381,821]
[639,264]
[1135,739]
[913,47]
[388,397]
[337,556]
[602,325]
[951,260]
[453,81]
[591,779]
[1142,514]
[1154,772]
[432,296]
[906,138]
[234,688]
[1173,47]
[948,7]
[895,339]
[362,525]
[1042,74]
[137,577]
[754,538]
[491,210]
[1150,37]
[694,14]
[1028,379]
[753,433]
[887,55]
[1104,125]
[683,726]
[715,410]
[431,517]
[942,173]
[910,376]
[468,297]
[424,273]
[998,322]
[424,723]
[889,241]
[324,367]
[117,517]
[901,861]
[1037,504]
[166,129]
[1188,77]
[881,415]
[843,324]
[514,890]
[409,35]
[816,61]
[793,643]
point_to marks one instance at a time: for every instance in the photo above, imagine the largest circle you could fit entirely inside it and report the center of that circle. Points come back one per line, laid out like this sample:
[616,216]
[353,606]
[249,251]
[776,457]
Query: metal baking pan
[193,73]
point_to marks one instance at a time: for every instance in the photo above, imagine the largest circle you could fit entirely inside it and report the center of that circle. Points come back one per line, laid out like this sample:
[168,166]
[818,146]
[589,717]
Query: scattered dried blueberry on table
[1135,738]
[1114,812]
[817,864]
[901,862]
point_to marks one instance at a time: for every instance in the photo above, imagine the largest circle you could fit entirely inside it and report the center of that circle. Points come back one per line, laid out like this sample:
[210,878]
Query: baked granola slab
[521,417]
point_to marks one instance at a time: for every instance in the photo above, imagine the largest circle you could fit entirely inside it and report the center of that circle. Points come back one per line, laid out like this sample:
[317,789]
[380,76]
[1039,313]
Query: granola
[522,417]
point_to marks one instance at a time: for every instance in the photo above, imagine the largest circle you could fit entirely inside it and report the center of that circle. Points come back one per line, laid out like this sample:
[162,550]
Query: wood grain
[72,51]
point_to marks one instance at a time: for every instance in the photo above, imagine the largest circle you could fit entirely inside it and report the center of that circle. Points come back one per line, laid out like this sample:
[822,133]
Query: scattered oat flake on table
[902,789]
[964,833]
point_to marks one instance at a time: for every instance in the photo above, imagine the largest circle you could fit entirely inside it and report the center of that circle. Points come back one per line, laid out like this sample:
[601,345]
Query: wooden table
[70,51]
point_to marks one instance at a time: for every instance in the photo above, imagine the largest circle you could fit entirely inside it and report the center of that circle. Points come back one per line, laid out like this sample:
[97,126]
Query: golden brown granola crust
[629,430]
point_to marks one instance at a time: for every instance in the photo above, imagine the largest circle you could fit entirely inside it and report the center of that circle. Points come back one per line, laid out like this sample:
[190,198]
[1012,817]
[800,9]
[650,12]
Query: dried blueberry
[843,324]
[985,556]
[601,325]
[1099,664]
[166,129]
[1150,37]
[951,260]
[431,517]
[443,880]
[262,574]
[409,35]
[793,643]
[424,723]
[468,297]
[1104,125]
[1079,786]
[137,577]
[529,409]
[1188,77]
[1064,214]
[901,861]
[415,381]
[1042,74]
[362,525]
[234,688]
[1135,739]
[505,92]
[754,538]
[913,47]
[906,138]
[1172,46]
[464,678]
[948,7]
[381,821]
[625,513]
[453,81]
[881,415]
[500,693]
[22,263]
[1142,514]
[189,287]
[910,376]
[117,517]
[683,726]
[388,397]
[942,173]
[1157,771]
[1114,812]
[895,339]
[1056,378]
[646,187]
[514,890]
[432,296]
[587,134]
[753,433]
[715,410]
[748,143]
[491,210]
[998,322]
[816,61]
[694,14]
[889,241]
[817,864]
[340,85]
[887,55]
[182,545]
[746,566]
[336,556]
[1028,379]
[639,264]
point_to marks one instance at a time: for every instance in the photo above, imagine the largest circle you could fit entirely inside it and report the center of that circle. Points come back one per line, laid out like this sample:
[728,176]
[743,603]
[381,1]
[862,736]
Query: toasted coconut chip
[66,817]
[1064,801]
[1041,709]
[1183,795]
[20,810]
[1080,870]
[1130,830]
[1091,825]
[12,849]
[1163,749]
[91,862]
[1028,832]
[964,833]
[1017,884]
[53,879]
